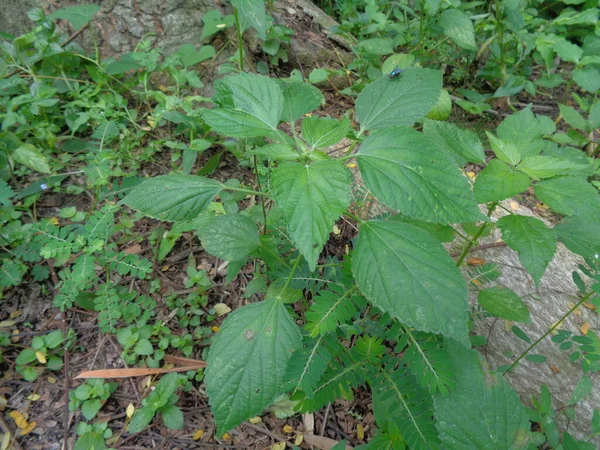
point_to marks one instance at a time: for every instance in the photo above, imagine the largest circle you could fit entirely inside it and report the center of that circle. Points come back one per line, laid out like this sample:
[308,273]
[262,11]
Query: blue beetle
[396,73]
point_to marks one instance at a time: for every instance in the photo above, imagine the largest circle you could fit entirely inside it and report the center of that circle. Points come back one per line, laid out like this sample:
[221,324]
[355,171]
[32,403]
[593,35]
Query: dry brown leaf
[134,249]
[28,429]
[585,328]
[554,368]
[308,421]
[322,442]
[475,261]
[127,373]
[589,305]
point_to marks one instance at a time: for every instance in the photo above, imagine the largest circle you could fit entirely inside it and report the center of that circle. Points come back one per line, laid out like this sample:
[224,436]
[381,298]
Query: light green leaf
[499,181]
[172,417]
[6,193]
[398,166]
[323,132]
[250,105]
[299,98]
[398,102]
[214,22]
[580,235]
[483,412]
[464,144]
[532,240]
[32,157]
[404,271]
[458,27]
[318,75]
[141,419]
[90,408]
[583,389]
[572,117]
[173,197]
[377,46]
[231,237]
[90,441]
[571,196]
[594,117]
[524,131]
[505,151]
[253,12]
[143,347]
[567,50]
[78,15]
[504,303]
[312,197]
[279,152]
[539,166]
[588,78]
[247,361]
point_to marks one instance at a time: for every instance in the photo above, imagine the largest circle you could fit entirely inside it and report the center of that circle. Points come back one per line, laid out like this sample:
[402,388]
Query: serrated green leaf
[172,417]
[505,151]
[499,181]
[539,166]
[398,166]
[250,105]
[532,240]
[32,157]
[504,303]
[173,197]
[587,78]
[253,12]
[231,237]
[404,271]
[278,152]
[312,198]
[524,131]
[458,27]
[6,193]
[143,347]
[247,361]
[78,15]
[580,235]
[400,101]
[572,117]
[464,144]
[483,412]
[567,50]
[322,132]
[571,196]
[299,98]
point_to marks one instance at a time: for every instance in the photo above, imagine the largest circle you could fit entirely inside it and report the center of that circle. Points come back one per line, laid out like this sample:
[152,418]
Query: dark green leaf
[524,131]
[173,197]
[404,271]
[90,408]
[499,181]
[464,144]
[400,101]
[231,237]
[504,303]
[398,165]
[172,417]
[571,196]
[579,235]
[253,12]
[539,166]
[532,240]
[323,132]
[90,441]
[299,98]
[141,419]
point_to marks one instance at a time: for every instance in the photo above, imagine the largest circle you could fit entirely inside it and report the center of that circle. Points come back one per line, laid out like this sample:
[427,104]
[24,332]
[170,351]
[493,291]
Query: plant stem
[584,299]
[262,197]
[472,242]
[238,28]
[247,191]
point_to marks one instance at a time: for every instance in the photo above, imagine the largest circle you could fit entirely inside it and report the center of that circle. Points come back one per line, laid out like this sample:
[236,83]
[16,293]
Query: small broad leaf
[405,272]
[532,240]
[78,15]
[253,12]
[90,441]
[464,144]
[250,105]
[572,117]
[400,101]
[458,27]
[90,408]
[32,157]
[524,131]
[580,235]
[571,196]
[312,197]
[6,193]
[505,151]
[141,419]
[214,22]
[172,417]
[587,78]
[299,98]
[173,197]
[539,166]
[377,46]
[398,166]
[567,50]
[583,388]
[278,152]
[323,132]
[504,303]
[143,347]
[499,181]
[247,361]
[231,237]
[483,412]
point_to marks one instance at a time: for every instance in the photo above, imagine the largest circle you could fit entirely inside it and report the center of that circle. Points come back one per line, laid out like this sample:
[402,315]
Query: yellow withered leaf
[288,429]
[34,397]
[5,441]
[278,446]
[360,432]
[299,439]
[53,220]
[28,429]
[130,410]
[19,418]
[255,420]
[221,309]
[198,435]
[351,165]
[226,436]
[585,328]
[40,357]
[514,205]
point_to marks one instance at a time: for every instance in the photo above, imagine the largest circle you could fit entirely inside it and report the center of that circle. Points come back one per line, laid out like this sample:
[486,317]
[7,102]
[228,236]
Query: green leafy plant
[45,351]
[90,397]
[416,294]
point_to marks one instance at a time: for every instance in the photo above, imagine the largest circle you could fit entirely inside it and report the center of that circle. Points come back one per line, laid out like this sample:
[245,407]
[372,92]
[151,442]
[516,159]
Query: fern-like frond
[398,400]
[483,274]
[306,367]
[109,305]
[101,224]
[133,265]
[427,360]
[83,270]
[331,308]
[58,243]
[67,292]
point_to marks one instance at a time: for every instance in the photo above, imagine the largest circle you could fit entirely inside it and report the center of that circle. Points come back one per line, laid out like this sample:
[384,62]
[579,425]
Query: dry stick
[480,247]
[67,42]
